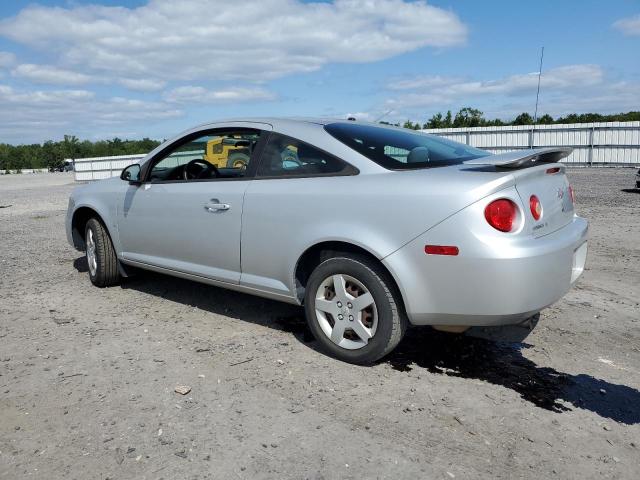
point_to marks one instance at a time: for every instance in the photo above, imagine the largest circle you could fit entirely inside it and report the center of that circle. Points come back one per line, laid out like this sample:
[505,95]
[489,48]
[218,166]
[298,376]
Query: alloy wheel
[346,311]
[91,253]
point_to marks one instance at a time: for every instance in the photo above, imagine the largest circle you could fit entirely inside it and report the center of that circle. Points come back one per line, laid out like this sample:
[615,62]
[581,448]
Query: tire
[238,160]
[101,257]
[384,319]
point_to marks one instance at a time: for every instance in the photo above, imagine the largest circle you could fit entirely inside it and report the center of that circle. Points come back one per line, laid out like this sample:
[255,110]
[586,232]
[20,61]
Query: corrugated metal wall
[97,168]
[597,144]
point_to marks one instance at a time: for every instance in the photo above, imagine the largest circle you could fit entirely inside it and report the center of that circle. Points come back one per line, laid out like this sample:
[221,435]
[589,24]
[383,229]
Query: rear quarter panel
[379,212]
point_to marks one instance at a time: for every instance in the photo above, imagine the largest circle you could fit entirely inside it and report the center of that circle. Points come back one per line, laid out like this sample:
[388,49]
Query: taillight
[573,198]
[501,214]
[536,207]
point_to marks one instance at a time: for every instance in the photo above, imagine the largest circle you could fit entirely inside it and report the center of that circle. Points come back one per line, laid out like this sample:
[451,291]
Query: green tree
[545,119]
[523,119]
[436,121]
[448,122]
[410,125]
[52,154]
[468,117]
[70,146]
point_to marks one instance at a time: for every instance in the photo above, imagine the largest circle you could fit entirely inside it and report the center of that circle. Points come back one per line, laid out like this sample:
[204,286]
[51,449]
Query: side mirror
[131,174]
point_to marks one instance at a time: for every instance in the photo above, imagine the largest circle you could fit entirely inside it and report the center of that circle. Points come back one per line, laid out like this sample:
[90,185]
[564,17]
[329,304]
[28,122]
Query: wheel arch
[317,253]
[79,222]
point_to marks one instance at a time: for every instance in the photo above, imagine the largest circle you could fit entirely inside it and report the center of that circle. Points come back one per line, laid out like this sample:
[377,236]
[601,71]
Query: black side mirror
[131,174]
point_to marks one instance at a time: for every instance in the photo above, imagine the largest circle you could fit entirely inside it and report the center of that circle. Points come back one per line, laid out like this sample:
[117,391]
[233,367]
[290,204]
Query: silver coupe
[371,228]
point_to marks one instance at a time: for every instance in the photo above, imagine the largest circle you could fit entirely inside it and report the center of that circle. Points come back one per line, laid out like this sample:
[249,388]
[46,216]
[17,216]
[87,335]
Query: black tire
[106,272]
[237,157]
[392,322]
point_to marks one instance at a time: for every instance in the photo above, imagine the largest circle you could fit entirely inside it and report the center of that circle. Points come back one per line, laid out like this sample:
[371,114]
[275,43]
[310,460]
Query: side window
[286,156]
[214,155]
[397,153]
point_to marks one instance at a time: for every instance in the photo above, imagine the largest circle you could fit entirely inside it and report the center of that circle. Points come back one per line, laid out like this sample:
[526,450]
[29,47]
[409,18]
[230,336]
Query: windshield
[397,149]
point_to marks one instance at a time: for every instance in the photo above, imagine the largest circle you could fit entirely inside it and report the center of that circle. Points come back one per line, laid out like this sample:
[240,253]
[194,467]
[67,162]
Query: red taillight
[501,214]
[441,250]
[571,194]
[535,206]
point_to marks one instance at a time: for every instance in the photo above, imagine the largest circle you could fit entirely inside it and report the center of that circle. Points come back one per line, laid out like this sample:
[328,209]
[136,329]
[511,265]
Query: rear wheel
[353,310]
[101,257]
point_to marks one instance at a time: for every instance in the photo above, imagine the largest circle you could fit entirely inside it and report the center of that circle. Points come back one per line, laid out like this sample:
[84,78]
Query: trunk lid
[536,173]
[550,184]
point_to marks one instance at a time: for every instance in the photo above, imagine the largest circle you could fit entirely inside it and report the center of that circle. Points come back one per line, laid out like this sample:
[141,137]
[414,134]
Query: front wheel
[353,309]
[101,257]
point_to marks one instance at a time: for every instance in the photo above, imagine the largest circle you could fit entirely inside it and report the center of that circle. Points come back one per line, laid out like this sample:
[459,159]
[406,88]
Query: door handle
[216,206]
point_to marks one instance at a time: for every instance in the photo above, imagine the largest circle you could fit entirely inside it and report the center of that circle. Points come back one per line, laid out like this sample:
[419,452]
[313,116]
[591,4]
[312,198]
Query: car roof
[275,122]
[280,122]
[297,126]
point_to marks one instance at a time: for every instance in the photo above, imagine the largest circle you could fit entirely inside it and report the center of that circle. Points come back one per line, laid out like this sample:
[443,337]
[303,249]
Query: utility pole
[535,115]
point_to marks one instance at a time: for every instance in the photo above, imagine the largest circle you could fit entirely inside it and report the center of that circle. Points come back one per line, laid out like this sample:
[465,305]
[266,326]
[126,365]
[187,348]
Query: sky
[152,68]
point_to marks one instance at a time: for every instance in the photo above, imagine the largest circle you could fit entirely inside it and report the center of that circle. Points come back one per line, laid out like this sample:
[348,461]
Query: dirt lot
[87,376]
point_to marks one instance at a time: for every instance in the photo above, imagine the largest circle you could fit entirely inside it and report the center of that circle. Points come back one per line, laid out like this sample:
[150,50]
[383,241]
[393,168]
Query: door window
[208,156]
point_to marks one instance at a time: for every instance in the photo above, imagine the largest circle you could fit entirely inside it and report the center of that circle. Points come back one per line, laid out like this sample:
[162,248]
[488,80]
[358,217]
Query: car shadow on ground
[630,190]
[80,264]
[440,353]
[504,364]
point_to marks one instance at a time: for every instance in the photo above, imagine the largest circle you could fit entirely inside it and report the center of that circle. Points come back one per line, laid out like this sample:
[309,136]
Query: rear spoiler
[520,158]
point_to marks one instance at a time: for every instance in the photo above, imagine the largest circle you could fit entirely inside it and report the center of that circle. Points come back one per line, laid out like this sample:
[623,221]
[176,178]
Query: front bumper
[491,282]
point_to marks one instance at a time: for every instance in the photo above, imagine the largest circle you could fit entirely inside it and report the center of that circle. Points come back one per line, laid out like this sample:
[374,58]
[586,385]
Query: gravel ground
[87,376]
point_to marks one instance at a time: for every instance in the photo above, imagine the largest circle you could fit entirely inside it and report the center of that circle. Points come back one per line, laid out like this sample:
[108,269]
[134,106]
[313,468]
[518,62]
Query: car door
[186,215]
[289,204]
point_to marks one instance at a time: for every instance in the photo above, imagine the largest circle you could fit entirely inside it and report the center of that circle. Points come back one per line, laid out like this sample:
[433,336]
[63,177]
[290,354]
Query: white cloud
[566,89]
[437,90]
[7,59]
[36,115]
[142,84]
[50,75]
[569,76]
[39,98]
[426,82]
[254,40]
[629,26]
[195,94]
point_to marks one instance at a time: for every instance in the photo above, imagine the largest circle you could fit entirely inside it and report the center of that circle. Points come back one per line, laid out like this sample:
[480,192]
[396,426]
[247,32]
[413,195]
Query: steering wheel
[205,168]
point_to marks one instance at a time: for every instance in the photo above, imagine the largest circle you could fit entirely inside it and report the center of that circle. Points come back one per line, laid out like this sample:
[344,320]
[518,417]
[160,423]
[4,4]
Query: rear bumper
[490,282]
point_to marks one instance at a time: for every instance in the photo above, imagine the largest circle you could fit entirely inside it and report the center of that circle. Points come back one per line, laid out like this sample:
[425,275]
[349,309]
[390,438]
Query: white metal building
[601,144]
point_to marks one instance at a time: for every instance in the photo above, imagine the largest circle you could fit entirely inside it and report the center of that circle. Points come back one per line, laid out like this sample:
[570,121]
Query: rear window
[397,149]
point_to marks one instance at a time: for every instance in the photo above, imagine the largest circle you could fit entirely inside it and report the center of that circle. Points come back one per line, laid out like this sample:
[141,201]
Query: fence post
[468,137]
[591,130]
[531,137]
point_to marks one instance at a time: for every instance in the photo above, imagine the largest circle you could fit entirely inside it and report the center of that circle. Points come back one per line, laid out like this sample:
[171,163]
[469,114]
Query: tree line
[472,117]
[52,154]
